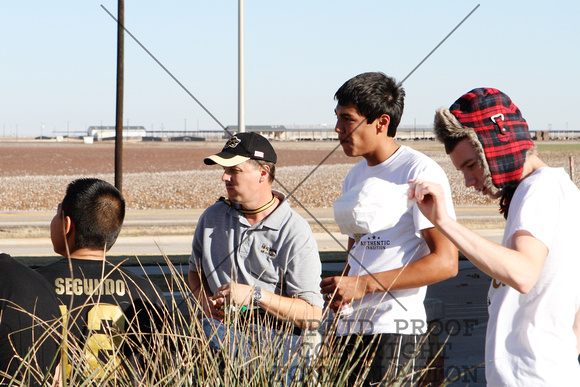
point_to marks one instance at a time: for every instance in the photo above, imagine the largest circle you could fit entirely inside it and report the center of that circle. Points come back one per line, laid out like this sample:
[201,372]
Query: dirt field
[74,158]
[172,175]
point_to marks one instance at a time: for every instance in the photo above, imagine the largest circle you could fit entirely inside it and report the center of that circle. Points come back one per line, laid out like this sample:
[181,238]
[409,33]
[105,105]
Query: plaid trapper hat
[500,128]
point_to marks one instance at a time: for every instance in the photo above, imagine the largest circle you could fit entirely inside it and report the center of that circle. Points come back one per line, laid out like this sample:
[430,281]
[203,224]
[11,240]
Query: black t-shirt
[24,294]
[104,300]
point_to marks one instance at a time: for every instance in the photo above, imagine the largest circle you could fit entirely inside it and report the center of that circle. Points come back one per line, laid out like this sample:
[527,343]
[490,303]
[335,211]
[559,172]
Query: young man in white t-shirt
[388,270]
[534,296]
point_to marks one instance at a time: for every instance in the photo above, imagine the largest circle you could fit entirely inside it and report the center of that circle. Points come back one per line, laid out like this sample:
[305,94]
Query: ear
[70,230]
[383,123]
[68,225]
[264,173]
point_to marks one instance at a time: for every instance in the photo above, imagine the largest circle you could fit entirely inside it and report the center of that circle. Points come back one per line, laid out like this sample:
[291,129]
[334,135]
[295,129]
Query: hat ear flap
[448,130]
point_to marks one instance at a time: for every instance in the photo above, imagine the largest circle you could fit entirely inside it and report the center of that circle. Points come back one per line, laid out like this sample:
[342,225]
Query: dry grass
[176,351]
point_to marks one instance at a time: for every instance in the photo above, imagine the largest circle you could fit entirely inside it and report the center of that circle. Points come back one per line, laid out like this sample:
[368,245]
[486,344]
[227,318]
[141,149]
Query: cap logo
[232,142]
[259,154]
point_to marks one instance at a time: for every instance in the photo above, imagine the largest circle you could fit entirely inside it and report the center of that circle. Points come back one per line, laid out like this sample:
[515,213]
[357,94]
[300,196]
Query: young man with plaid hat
[252,252]
[535,293]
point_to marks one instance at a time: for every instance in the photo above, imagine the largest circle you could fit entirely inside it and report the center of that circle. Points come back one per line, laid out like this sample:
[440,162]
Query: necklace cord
[242,211]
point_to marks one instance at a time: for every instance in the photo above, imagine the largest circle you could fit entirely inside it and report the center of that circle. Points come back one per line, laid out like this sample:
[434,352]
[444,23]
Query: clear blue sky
[59,60]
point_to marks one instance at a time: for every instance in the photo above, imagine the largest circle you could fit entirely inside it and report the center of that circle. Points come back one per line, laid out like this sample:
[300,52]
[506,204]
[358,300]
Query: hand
[342,289]
[211,308]
[234,294]
[430,199]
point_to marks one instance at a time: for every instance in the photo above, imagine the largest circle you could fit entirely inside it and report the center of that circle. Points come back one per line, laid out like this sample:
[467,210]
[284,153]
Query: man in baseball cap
[252,252]
[534,296]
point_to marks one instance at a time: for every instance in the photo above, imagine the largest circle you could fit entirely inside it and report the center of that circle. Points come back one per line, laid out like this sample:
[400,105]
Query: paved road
[189,217]
[181,244]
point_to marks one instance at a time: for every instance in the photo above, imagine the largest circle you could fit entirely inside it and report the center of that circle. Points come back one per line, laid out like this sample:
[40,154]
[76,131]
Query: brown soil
[166,175]
[54,159]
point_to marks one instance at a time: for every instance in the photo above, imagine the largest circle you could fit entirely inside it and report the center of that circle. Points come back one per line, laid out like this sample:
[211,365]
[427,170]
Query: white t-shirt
[400,311]
[530,341]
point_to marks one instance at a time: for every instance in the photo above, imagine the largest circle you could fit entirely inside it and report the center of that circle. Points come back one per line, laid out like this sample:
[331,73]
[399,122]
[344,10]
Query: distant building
[100,133]
[272,132]
[289,132]
[324,132]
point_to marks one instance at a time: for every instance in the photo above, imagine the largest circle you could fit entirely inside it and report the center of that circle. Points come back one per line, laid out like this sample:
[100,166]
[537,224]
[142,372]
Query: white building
[324,132]
[100,133]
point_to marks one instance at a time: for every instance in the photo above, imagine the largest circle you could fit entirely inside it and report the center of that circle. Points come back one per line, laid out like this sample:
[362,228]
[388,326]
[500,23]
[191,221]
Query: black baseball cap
[243,147]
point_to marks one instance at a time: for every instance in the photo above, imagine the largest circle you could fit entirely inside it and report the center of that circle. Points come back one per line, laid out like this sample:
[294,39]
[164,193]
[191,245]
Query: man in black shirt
[103,304]
[28,325]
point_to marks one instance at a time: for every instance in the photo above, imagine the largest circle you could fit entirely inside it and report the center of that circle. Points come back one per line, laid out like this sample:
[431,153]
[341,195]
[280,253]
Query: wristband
[257,296]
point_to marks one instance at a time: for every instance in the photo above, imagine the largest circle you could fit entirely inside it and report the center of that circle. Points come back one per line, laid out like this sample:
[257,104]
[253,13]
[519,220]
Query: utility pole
[241,102]
[120,81]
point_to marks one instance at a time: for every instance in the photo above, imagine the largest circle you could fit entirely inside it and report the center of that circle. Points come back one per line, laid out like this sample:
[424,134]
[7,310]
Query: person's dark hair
[451,142]
[374,94]
[97,210]
[271,166]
